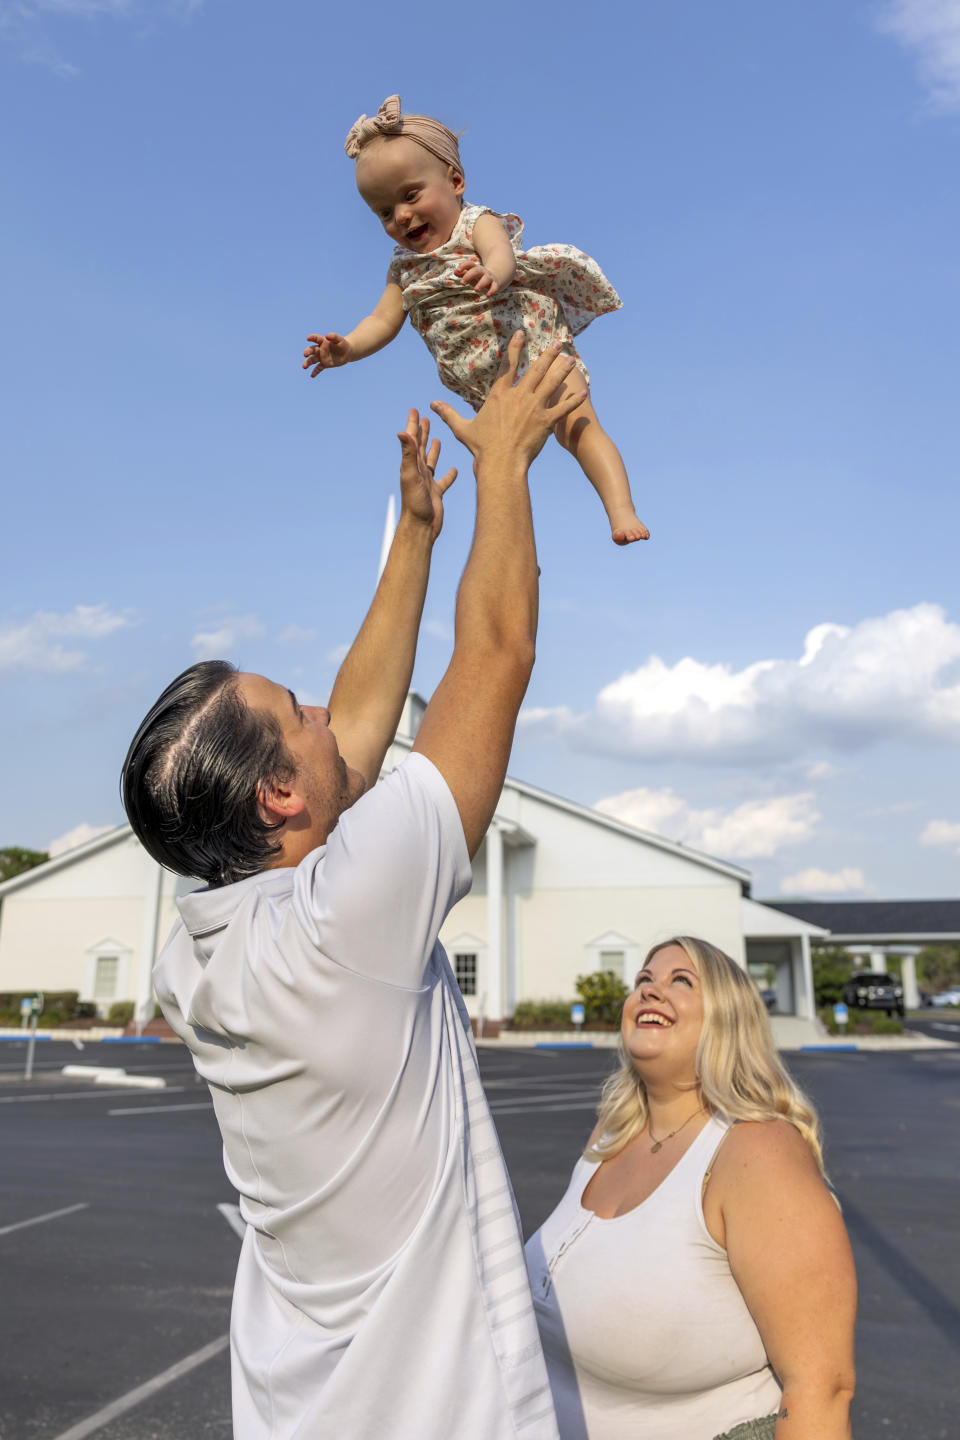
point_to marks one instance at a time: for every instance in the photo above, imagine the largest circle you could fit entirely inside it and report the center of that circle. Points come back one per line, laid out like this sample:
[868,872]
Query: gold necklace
[659,1144]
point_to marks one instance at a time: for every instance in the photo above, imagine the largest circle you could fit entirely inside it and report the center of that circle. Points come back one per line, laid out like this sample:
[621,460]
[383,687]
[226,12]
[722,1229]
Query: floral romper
[555,293]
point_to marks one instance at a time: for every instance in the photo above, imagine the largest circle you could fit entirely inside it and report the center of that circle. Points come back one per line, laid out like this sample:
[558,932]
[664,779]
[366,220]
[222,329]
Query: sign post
[840,1015]
[576,1017]
[36,1005]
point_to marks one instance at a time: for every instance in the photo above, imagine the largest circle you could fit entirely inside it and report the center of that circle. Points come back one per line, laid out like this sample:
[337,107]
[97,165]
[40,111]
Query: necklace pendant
[655,1148]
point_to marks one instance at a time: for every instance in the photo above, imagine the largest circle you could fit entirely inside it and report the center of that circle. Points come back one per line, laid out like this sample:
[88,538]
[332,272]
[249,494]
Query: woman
[696,1280]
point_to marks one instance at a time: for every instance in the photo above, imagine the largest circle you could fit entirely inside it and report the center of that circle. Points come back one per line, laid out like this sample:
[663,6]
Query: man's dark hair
[192,773]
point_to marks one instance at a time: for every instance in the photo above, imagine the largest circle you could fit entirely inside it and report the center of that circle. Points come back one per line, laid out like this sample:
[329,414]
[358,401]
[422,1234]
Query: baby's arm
[496,264]
[376,330]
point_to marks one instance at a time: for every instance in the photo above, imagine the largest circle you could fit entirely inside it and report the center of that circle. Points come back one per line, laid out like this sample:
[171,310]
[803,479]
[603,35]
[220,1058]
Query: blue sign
[840,1013]
[576,1014]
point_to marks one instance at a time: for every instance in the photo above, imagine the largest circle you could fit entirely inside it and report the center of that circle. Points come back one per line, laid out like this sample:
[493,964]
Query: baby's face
[414,195]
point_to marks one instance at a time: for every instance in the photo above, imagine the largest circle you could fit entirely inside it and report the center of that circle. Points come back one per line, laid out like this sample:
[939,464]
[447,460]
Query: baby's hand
[324,352]
[471,272]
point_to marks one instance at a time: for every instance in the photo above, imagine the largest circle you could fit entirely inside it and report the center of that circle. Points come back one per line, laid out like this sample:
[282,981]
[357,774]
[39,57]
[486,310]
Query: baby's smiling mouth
[417,233]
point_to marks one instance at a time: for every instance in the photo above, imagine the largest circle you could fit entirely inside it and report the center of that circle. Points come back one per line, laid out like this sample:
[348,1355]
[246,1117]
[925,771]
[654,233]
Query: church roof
[68,857]
[847,920]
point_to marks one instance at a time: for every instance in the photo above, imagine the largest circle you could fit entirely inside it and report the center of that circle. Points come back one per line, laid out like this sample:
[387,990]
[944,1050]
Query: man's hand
[516,418]
[472,273]
[325,352]
[421,493]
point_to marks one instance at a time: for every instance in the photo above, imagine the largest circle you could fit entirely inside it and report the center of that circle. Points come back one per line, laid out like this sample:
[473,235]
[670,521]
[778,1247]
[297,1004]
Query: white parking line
[161,1109]
[534,1082]
[80,1095]
[41,1219]
[535,1101]
[142,1392]
[231,1213]
[526,1109]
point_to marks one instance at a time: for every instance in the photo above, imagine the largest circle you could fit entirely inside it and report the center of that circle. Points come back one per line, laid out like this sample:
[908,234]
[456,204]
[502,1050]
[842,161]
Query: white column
[806,1000]
[493,988]
[878,961]
[143,1008]
[908,973]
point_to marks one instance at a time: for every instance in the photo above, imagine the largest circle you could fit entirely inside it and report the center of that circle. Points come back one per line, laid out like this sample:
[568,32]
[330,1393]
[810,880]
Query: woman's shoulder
[772,1149]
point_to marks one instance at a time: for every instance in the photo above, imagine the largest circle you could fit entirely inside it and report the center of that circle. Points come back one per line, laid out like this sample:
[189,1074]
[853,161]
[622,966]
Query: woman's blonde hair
[737,1069]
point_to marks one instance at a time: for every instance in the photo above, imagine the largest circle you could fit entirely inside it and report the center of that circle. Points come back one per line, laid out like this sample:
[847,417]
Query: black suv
[871,990]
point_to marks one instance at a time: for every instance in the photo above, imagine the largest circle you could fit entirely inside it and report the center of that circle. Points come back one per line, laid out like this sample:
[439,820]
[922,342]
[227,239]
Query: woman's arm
[790,1256]
[496,264]
[375,330]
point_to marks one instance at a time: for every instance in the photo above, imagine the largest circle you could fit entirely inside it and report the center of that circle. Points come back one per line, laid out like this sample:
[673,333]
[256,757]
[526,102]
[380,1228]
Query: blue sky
[775,677]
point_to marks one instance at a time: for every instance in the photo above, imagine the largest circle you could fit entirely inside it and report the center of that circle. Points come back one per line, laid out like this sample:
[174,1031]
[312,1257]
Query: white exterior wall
[573,884]
[50,928]
[579,881]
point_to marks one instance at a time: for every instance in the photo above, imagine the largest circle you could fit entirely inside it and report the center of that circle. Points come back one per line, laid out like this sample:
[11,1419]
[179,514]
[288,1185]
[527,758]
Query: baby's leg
[581,433]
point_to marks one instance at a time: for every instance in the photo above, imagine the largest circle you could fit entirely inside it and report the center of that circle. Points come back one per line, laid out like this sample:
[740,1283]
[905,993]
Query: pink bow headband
[389,120]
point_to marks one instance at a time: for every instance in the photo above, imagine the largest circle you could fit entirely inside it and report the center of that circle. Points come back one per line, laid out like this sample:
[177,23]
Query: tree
[831,971]
[14,860]
[938,967]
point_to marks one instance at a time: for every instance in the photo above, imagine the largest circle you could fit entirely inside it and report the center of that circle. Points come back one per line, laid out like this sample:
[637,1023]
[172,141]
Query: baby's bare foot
[626,527]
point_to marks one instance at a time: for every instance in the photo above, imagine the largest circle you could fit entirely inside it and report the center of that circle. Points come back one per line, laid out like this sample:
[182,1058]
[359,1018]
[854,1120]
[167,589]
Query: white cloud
[296,635]
[12,11]
[822,770]
[439,629]
[222,641]
[895,677]
[931,29]
[36,643]
[49,60]
[898,807]
[30,24]
[754,829]
[942,832]
[338,653]
[825,882]
[79,835]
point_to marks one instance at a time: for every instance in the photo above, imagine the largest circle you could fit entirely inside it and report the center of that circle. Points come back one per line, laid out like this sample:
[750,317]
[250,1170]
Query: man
[381,1290]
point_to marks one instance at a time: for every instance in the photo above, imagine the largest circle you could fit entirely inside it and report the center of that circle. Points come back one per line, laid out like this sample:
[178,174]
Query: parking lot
[117,1238]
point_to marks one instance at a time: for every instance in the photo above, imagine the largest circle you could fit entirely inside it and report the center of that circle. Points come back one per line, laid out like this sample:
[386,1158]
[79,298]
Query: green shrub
[885,1025]
[603,994]
[826,1015]
[863,1022]
[535,1014]
[120,1012]
[58,1005]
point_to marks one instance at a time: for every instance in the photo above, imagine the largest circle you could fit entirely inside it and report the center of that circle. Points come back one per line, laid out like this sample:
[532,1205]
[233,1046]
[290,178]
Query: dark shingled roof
[878,919]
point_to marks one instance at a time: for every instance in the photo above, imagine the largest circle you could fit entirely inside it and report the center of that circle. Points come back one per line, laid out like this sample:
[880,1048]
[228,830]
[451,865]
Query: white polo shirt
[381,1290]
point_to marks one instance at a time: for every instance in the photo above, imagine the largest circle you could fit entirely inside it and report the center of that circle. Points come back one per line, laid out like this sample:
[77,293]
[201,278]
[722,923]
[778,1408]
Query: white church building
[559,890]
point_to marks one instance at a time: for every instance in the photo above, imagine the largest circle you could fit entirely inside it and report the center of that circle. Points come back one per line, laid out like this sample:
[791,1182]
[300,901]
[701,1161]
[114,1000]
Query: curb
[96,1035]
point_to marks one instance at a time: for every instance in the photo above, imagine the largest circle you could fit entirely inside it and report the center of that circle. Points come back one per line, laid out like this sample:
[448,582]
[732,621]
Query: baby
[459,271]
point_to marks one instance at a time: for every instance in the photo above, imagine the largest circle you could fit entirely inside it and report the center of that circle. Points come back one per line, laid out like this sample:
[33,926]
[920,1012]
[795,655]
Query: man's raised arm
[468,727]
[373,681]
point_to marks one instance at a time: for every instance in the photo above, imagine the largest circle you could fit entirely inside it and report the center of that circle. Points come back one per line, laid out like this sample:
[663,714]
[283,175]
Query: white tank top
[645,1331]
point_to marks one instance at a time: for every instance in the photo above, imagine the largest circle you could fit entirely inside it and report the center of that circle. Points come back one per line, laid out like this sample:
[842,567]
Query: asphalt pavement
[940,1024]
[118,1246]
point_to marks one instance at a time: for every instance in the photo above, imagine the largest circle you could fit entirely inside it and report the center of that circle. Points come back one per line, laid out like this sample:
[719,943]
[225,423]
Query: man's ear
[278,802]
